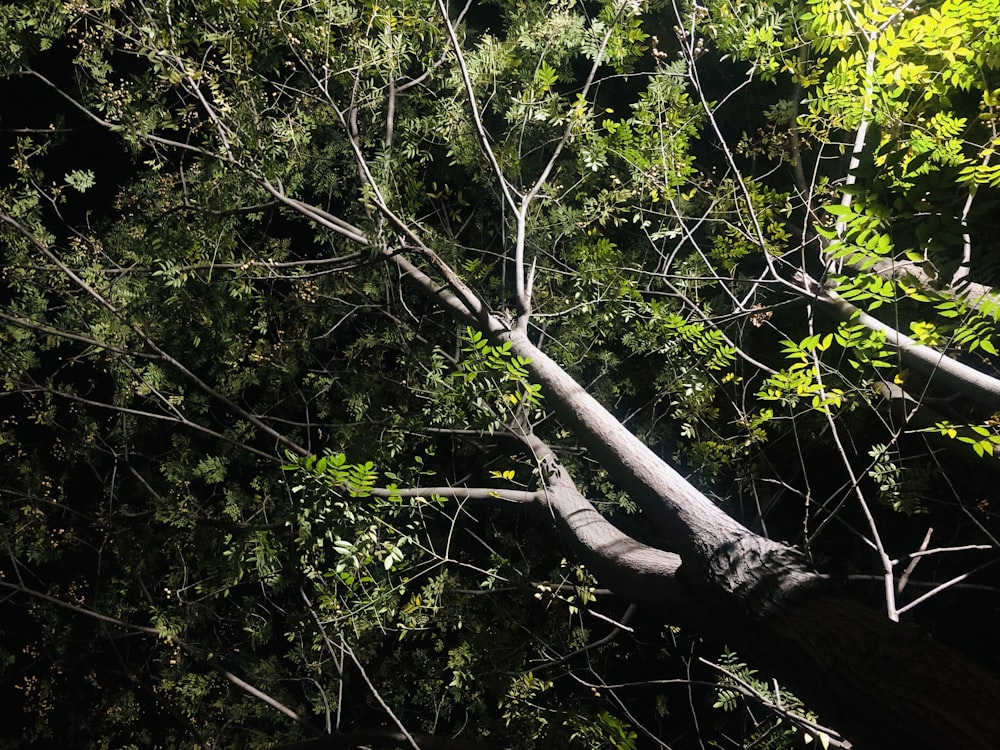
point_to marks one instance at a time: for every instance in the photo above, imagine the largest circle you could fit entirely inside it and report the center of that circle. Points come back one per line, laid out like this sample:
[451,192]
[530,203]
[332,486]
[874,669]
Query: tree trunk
[883,684]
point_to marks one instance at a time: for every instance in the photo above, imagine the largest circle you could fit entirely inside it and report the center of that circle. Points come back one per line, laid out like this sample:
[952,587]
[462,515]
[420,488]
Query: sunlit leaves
[864,346]
[344,535]
[761,32]
[81,179]
[496,381]
[674,331]
[902,490]
[496,358]
[984,438]
[800,380]
[871,290]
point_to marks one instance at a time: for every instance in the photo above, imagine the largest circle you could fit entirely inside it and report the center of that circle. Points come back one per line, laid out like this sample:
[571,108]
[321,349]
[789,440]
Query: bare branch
[946,585]
[318,215]
[262,696]
[81,610]
[484,139]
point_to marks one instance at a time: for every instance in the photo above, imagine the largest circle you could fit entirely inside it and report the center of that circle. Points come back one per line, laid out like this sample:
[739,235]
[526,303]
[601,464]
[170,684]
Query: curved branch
[264,697]
[641,574]
[321,217]
[692,522]
[942,369]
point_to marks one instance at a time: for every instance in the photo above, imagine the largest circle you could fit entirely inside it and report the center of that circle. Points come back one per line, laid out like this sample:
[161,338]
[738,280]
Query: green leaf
[80,180]
[839,210]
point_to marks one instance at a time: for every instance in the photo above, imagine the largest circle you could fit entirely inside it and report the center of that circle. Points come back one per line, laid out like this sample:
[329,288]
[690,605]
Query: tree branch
[942,369]
[45,250]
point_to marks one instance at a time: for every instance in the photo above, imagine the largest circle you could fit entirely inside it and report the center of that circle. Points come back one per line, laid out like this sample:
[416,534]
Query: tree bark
[941,370]
[882,683]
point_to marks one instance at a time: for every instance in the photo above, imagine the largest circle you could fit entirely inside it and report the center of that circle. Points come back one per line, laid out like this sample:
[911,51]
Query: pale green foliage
[345,541]
[982,437]
[664,331]
[902,490]
[916,83]
[802,380]
[80,179]
[920,59]
[763,32]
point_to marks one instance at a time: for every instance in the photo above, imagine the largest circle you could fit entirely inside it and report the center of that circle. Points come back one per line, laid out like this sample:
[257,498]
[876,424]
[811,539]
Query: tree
[530,249]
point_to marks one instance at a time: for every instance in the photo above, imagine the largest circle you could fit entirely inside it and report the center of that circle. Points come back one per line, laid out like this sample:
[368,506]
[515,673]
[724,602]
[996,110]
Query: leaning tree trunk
[883,684]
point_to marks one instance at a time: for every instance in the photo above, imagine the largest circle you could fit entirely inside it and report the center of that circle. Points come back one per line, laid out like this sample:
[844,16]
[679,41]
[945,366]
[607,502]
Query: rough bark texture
[633,570]
[884,685]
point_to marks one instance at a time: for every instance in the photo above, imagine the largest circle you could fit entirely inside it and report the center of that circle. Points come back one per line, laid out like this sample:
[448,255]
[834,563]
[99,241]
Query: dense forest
[499,374]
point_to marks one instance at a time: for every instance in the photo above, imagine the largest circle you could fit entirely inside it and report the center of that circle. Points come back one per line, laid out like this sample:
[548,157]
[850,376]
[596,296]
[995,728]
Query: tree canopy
[507,373]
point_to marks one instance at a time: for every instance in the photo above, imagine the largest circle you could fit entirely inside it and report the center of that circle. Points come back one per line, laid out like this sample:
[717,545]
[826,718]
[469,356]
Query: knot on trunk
[761,575]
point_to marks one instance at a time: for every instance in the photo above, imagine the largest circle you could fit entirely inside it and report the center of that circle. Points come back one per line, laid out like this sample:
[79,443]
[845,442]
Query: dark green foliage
[220,404]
